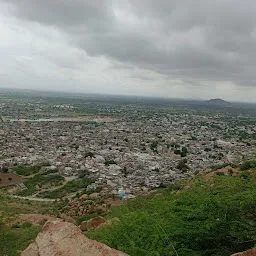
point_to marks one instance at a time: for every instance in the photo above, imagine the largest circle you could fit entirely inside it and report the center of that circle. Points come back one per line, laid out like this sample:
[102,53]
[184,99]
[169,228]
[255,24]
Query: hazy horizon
[81,94]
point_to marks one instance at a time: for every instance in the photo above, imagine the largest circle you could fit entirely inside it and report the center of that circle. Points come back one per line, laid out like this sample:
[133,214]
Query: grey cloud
[201,39]
[62,13]
[120,65]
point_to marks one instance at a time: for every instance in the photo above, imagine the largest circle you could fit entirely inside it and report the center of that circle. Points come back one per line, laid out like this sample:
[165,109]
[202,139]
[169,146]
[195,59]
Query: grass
[13,240]
[71,187]
[212,218]
[15,236]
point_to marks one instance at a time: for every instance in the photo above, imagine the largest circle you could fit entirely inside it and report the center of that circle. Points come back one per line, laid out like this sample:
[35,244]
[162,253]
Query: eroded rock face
[65,239]
[251,252]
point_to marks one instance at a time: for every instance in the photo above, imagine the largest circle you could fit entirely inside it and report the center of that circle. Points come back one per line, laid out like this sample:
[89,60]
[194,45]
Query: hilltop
[218,102]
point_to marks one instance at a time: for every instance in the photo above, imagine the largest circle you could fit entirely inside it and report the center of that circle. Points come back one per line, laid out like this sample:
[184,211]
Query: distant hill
[218,102]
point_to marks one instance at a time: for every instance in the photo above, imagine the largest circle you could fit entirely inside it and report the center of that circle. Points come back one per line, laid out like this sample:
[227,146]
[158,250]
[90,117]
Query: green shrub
[71,187]
[109,162]
[40,180]
[182,165]
[251,164]
[89,154]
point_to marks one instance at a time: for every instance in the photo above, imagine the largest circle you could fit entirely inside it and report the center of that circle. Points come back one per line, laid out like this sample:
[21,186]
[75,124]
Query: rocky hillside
[210,215]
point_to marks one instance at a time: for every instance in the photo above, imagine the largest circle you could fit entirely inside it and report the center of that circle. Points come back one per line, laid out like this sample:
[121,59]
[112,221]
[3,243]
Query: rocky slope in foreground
[65,239]
[251,252]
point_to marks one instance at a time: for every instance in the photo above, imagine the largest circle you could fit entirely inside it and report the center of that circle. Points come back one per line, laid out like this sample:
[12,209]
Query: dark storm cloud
[199,39]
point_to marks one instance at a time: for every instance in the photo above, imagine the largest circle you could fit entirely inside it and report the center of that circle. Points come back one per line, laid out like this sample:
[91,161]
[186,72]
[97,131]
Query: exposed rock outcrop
[93,223]
[251,252]
[97,222]
[65,239]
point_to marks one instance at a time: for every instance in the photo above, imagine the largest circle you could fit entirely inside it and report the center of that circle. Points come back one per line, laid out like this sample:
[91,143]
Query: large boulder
[65,239]
[83,197]
[94,196]
[99,159]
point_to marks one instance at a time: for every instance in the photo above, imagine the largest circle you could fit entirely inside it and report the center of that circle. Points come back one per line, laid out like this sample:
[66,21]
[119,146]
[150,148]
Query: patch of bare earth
[9,179]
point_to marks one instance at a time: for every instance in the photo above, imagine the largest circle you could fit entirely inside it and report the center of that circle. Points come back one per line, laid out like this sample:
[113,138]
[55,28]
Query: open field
[9,179]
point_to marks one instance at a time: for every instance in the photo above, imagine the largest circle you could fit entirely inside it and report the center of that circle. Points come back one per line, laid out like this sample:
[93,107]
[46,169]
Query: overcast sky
[174,48]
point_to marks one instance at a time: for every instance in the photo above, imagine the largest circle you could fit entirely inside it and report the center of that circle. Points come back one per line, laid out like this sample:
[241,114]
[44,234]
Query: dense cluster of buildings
[130,154]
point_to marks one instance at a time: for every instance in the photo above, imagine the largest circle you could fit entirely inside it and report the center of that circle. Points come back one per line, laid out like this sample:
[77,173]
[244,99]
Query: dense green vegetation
[209,218]
[250,164]
[16,238]
[39,181]
[71,187]
[26,170]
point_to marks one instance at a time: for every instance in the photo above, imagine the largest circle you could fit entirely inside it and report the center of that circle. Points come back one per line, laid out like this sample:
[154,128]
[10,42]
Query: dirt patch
[114,202]
[225,170]
[9,179]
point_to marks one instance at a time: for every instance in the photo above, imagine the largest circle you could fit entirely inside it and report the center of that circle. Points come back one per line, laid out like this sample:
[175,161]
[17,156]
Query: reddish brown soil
[15,179]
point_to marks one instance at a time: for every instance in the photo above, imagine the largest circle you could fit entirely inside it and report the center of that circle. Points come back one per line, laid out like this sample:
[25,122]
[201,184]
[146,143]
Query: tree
[4,169]
[153,145]
[90,154]
[182,165]
[183,154]
[177,152]
[184,149]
